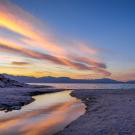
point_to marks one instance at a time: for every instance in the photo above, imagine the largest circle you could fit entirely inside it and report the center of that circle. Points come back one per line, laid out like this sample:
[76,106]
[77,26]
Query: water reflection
[48,114]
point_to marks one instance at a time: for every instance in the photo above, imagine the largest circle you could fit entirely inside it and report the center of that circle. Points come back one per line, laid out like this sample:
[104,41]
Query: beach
[109,112]
[67,67]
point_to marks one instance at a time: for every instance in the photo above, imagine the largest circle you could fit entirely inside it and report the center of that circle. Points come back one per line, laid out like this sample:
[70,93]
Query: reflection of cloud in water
[49,114]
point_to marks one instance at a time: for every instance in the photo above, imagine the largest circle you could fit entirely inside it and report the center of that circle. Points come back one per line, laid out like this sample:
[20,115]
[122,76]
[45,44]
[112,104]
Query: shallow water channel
[48,114]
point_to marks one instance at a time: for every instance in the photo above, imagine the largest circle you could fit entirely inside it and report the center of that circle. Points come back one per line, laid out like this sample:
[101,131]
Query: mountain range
[49,79]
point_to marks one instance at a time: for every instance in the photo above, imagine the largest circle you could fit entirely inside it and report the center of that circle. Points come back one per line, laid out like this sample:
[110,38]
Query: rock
[6,82]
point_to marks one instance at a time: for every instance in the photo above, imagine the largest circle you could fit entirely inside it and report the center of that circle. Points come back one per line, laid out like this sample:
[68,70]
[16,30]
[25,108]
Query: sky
[84,39]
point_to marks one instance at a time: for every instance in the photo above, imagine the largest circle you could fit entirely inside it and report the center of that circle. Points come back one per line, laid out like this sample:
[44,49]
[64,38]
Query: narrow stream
[48,114]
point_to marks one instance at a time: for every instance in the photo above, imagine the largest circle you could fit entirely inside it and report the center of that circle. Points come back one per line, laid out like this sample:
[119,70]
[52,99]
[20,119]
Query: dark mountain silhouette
[131,82]
[49,79]
[7,82]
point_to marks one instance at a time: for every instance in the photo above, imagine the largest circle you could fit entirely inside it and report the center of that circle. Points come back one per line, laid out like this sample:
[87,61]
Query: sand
[109,112]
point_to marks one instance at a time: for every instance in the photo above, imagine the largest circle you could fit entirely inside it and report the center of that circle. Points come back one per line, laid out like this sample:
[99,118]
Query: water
[48,114]
[89,86]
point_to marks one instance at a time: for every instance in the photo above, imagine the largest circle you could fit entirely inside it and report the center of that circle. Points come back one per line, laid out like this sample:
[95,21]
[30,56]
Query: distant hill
[131,82]
[49,79]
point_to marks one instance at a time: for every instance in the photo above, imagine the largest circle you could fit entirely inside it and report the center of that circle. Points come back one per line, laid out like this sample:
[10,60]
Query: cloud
[38,55]
[38,43]
[53,59]
[20,63]
[89,61]
[83,47]
[15,19]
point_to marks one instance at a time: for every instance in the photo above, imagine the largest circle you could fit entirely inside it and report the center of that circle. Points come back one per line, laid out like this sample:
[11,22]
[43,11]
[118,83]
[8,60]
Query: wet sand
[109,112]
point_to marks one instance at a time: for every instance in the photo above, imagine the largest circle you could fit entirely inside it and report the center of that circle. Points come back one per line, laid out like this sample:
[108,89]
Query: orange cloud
[20,63]
[53,59]
[21,22]
[33,36]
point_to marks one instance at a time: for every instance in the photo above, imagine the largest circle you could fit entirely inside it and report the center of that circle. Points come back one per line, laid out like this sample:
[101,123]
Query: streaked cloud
[21,22]
[89,61]
[20,63]
[36,42]
[53,59]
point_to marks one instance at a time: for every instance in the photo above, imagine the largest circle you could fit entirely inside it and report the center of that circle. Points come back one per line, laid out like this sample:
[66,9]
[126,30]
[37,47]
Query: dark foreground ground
[109,112]
[15,98]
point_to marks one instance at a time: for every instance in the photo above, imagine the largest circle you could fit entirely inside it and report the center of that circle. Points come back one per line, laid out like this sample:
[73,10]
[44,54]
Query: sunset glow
[28,41]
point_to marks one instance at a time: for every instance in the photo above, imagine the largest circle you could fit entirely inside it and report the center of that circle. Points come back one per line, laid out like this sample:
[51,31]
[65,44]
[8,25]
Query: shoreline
[14,98]
[108,112]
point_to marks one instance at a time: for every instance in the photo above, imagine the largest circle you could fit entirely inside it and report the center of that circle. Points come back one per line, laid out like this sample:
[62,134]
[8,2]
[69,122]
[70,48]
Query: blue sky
[108,24]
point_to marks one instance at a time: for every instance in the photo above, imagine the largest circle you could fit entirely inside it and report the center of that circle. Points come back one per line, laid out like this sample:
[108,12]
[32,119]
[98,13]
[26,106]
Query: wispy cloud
[56,60]
[89,61]
[38,43]
[20,63]
[21,22]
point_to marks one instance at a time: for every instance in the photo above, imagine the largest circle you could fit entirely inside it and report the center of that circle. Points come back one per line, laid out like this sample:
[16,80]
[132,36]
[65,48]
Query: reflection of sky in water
[48,114]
